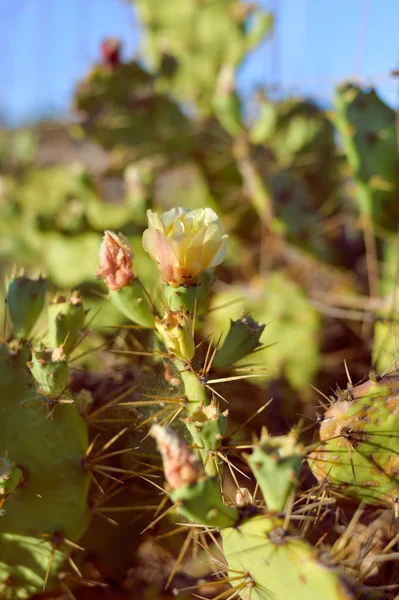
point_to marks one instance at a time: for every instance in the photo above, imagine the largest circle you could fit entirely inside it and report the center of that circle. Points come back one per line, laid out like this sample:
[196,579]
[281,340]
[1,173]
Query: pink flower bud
[180,465]
[115,261]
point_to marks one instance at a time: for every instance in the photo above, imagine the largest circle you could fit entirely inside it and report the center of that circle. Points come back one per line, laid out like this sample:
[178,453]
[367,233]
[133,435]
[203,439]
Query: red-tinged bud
[180,465]
[110,52]
[115,261]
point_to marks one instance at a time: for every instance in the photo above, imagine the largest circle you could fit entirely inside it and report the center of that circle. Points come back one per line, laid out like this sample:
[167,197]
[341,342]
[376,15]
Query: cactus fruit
[357,456]
[189,297]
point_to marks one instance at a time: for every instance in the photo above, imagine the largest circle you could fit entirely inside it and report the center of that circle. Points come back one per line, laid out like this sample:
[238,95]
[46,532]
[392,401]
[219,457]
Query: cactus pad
[358,454]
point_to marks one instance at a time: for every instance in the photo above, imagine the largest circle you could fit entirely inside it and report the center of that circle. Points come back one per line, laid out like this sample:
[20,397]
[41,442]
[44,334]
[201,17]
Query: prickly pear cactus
[367,128]
[135,125]
[301,140]
[357,456]
[198,37]
[43,441]
[265,561]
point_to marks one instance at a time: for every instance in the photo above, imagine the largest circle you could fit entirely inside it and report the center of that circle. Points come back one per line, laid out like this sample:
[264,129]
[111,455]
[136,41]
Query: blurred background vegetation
[110,108]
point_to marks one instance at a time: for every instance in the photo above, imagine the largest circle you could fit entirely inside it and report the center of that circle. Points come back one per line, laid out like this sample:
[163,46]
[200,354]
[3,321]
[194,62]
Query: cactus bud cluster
[176,331]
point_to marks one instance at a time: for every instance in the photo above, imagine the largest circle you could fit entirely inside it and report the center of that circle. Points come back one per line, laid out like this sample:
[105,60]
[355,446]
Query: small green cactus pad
[207,425]
[25,301]
[292,329]
[277,566]
[276,463]
[65,321]
[358,453]
[201,502]
[132,302]
[368,130]
[48,448]
[50,370]
[242,339]
[10,476]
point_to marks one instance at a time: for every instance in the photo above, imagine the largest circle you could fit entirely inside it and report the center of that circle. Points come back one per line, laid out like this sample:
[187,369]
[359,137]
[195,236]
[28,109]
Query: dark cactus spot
[371,137]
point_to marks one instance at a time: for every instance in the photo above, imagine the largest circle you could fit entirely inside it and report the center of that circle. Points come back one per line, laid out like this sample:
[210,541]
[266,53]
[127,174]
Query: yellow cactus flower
[184,243]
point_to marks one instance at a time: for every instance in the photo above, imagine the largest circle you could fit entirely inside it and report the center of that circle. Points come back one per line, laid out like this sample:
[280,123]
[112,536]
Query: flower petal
[154,220]
[170,216]
[220,254]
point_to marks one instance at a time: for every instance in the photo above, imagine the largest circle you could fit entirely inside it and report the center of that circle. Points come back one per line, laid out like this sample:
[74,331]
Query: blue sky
[46,45]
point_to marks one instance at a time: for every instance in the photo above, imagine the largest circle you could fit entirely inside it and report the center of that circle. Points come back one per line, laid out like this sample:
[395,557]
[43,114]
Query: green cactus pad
[52,499]
[276,463]
[207,425]
[132,124]
[368,130]
[202,503]
[50,370]
[277,566]
[65,321]
[242,339]
[10,476]
[184,38]
[25,300]
[26,562]
[132,302]
[358,455]
[292,329]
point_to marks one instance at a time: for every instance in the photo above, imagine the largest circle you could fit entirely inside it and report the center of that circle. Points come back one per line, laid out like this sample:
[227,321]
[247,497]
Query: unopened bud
[115,261]
[180,465]
[110,52]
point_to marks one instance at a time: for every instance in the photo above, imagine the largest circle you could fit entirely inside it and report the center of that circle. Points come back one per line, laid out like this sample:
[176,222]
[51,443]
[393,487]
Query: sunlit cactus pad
[358,455]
